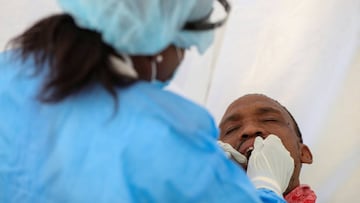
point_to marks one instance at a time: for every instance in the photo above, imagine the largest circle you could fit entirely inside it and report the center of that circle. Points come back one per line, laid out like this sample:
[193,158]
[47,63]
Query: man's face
[257,115]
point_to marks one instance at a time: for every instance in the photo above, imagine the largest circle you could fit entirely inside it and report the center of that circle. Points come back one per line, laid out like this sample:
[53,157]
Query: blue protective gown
[155,147]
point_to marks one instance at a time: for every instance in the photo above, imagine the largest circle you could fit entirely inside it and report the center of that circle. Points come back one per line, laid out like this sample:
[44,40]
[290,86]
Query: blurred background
[303,53]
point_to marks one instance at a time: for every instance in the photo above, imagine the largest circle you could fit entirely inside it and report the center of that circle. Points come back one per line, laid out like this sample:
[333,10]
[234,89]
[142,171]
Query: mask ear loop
[153,71]
[179,54]
[159,59]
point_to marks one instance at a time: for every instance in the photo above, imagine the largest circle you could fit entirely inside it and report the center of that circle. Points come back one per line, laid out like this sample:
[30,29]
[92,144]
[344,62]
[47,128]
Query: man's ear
[306,156]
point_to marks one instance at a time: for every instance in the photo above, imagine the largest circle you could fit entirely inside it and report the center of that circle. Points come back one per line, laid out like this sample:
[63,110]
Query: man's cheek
[228,139]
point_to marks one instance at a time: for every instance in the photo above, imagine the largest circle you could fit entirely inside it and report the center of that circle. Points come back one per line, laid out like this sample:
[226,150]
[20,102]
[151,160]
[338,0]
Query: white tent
[305,54]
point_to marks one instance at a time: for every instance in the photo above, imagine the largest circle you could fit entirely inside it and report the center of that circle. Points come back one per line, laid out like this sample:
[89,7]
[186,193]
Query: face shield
[216,18]
[198,31]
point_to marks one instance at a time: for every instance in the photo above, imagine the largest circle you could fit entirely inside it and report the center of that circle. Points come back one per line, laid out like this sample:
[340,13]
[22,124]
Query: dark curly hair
[75,56]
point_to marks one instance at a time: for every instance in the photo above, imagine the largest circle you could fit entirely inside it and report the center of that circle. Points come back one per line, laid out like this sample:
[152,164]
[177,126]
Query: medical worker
[84,118]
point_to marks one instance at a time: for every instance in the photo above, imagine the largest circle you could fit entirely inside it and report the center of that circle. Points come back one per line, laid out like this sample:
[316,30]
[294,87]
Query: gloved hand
[232,153]
[270,165]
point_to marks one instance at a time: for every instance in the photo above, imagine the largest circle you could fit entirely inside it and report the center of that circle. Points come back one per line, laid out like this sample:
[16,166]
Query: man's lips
[246,148]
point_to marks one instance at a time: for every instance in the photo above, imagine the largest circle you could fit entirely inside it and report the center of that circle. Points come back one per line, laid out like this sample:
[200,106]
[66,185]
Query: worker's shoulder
[170,102]
[173,108]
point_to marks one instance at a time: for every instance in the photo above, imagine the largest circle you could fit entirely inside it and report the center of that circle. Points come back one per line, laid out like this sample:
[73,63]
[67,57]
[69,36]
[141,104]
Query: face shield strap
[204,24]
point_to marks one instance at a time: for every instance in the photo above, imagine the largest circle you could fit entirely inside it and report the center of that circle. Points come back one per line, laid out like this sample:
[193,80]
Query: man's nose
[252,130]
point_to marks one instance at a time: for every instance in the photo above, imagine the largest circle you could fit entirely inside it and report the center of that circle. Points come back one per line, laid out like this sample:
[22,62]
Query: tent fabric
[305,54]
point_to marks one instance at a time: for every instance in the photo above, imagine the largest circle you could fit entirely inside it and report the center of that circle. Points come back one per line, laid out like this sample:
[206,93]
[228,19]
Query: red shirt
[301,194]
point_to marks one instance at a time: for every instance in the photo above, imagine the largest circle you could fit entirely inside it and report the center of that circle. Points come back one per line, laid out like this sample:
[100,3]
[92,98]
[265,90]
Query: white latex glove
[232,153]
[270,165]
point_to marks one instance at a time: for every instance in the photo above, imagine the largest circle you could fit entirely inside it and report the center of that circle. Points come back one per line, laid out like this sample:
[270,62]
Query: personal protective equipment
[150,146]
[142,27]
[270,164]
[232,153]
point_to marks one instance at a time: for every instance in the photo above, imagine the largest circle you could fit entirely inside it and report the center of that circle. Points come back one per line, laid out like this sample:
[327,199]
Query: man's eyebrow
[232,117]
[265,110]
[259,111]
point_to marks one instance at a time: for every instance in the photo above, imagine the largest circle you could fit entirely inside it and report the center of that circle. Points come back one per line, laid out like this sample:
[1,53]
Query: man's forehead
[254,102]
